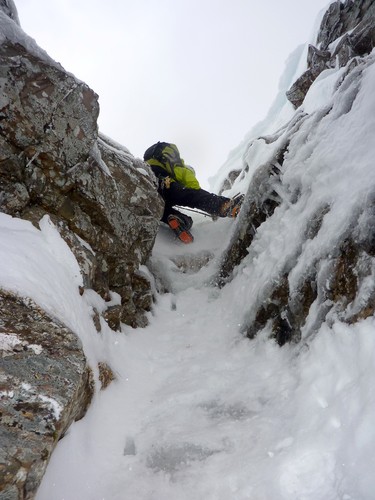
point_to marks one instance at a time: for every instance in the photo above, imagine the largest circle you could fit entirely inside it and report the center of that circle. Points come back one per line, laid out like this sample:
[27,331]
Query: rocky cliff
[104,203]
[296,179]
[306,225]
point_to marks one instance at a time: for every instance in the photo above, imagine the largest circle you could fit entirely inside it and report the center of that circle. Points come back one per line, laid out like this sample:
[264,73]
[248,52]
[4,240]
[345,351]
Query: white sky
[199,73]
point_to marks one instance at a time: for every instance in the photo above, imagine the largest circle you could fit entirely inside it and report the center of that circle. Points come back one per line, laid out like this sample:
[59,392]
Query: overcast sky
[199,73]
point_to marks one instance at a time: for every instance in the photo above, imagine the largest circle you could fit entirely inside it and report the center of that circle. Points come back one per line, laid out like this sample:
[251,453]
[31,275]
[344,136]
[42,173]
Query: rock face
[333,285]
[105,205]
[45,384]
[52,161]
[347,30]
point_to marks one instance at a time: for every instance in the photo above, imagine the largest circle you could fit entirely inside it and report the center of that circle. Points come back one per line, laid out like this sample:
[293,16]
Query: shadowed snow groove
[174,457]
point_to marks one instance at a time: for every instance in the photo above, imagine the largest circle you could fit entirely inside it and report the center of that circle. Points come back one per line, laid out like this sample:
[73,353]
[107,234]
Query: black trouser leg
[177,194]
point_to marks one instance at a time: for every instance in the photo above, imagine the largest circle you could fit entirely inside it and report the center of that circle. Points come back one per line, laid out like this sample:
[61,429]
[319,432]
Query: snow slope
[197,411]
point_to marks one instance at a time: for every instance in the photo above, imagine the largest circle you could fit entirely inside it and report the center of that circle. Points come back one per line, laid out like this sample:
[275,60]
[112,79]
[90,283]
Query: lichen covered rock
[52,161]
[45,384]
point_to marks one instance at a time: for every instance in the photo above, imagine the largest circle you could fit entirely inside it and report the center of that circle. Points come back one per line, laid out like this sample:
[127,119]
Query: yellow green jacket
[166,162]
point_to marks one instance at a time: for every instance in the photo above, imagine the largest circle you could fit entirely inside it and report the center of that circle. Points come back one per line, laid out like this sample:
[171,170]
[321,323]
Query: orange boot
[179,229]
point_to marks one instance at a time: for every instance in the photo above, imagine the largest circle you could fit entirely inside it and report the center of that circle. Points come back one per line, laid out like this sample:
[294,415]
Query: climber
[179,186]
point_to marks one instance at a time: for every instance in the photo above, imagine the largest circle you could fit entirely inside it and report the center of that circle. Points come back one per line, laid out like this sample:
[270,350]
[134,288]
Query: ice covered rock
[347,30]
[9,8]
[306,225]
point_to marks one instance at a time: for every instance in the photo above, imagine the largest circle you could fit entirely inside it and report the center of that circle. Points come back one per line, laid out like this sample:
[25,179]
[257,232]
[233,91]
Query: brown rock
[106,375]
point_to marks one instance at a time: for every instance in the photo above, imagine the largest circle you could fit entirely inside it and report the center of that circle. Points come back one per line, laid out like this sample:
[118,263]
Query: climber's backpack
[168,160]
[155,151]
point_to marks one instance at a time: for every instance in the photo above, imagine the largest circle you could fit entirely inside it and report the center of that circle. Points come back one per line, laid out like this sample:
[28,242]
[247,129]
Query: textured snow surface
[197,411]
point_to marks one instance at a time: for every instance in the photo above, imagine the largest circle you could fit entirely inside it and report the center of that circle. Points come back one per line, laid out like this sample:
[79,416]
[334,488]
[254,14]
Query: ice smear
[12,32]
[55,407]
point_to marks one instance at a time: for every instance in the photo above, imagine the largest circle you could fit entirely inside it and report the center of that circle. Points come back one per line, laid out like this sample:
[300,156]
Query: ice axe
[213,217]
